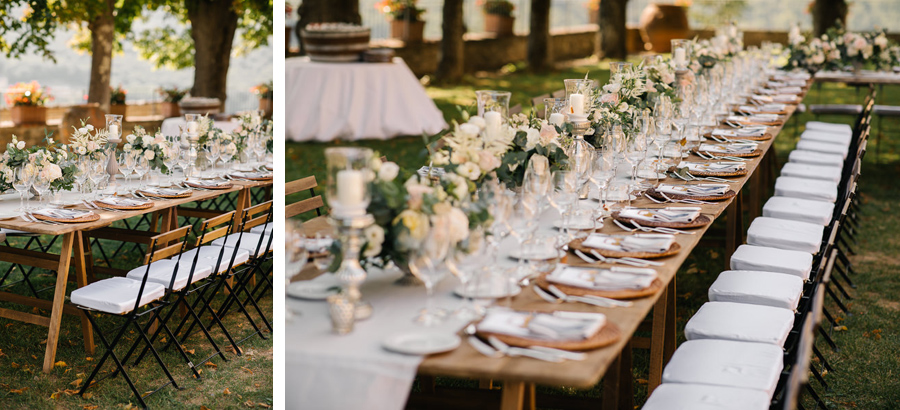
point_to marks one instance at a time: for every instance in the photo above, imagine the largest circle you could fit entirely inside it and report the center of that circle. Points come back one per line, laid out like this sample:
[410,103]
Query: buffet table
[353,101]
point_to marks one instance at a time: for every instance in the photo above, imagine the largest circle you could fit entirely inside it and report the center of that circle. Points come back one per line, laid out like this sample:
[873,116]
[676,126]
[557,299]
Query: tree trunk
[451,66]
[612,34]
[826,13]
[213,24]
[326,11]
[102,37]
[539,36]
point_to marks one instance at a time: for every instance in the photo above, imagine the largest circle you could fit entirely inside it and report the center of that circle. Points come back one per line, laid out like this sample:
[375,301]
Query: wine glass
[296,255]
[42,186]
[537,184]
[425,262]
[211,149]
[171,160]
[259,148]
[97,173]
[142,167]
[226,152]
[465,267]
[126,165]
[603,170]
[184,161]
[22,184]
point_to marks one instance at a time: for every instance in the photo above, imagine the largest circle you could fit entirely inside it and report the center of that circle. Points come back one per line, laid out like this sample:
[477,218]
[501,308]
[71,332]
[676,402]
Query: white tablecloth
[352,101]
[172,126]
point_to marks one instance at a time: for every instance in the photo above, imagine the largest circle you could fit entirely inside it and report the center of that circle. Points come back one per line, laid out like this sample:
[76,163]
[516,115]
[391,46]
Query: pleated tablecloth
[352,101]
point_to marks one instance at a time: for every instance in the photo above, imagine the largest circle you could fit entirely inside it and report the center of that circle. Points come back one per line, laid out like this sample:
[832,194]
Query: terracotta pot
[408,31]
[660,23]
[500,26]
[28,115]
[169,109]
[118,109]
[265,104]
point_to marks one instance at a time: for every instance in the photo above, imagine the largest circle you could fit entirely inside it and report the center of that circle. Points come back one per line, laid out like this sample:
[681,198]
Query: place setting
[751,133]
[502,330]
[734,150]
[667,218]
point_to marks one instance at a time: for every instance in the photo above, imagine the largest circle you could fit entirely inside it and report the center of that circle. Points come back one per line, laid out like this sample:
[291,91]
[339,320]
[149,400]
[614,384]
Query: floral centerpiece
[48,162]
[839,49]
[628,93]
[155,148]
[86,141]
[248,122]
[705,54]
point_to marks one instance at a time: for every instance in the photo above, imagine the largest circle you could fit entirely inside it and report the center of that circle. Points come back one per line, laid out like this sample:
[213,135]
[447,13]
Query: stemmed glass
[225,153]
[465,267]
[81,175]
[522,225]
[537,184]
[211,148]
[126,165]
[296,255]
[172,159]
[564,195]
[425,262]
[97,173]
[23,183]
[602,170]
[184,161]
[260,149]
[42,186]
[142,167]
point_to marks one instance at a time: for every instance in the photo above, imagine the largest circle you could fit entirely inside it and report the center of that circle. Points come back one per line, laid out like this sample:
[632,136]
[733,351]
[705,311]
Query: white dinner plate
[10,214]
[492,289]
[312,291]
[536,254]
[421,342]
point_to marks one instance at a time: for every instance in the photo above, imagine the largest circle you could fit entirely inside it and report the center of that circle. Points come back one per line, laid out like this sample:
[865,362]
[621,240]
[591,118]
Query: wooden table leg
[670,338]
[626,379]
[243,202]
[610,395]
[59,296]
[756,195]
[82,279]
[512,396]
[658,340]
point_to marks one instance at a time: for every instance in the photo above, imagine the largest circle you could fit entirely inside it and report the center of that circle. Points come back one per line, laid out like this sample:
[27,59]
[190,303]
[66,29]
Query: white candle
[557,118]
[576,102]
[113,131]
[492,120]
[679,57]
[350,188]
[193,126]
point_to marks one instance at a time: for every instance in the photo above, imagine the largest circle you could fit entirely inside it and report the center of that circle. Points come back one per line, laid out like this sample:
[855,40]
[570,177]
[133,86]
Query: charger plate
[701,220]
[766,136]
[714,174]
[91,217]
[213,187]
[124,207]
[606,336]
[674,249]
[158,195]
[755,153]
[655,194]
[654,287]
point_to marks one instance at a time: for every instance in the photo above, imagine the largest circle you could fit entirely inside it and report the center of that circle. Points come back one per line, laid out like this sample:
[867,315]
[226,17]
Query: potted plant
[265,93]
[26,102]
[406,19]
[117,100]
[498,18]
[593,10]
[171,98]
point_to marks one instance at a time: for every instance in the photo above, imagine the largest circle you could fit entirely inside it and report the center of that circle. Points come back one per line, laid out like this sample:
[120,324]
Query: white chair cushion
[209,254]
[757,288]
[814,189]
[249,242]
[116,295]
[827,137]
[785,234]
[830,127]
[677,396]
[823,147]
[799,209]
[259,228]
[727,363]
[161,272]
[741,322]
[750,257]
[829,173]
[815,158]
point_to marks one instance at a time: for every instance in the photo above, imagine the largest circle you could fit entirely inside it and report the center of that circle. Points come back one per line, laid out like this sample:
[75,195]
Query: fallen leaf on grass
[264,405]
[87,395]
[249,403]
[89,407]
[60,364]
[642,381]
[54,395]
[211,364]
[226,392]
[247,370]
[204,408]
[18,391]
[88,359]
[76,383]
[840,328]
[14,365]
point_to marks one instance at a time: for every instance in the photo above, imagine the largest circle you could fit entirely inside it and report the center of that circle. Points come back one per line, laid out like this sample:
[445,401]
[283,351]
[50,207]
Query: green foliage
[499,7]
[165,47]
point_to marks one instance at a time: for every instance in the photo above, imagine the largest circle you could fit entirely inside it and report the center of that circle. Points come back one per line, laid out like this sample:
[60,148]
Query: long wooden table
[74,238]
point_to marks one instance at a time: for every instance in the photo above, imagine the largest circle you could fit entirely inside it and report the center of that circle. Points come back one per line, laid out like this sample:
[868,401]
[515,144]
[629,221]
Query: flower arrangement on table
[49,162]
[153,147]
[499,7]
[839,49]
[87,141]
[625,97]
[263,91]
[27,95]
[401,10]
[173,95]
[117,95]
[705,54]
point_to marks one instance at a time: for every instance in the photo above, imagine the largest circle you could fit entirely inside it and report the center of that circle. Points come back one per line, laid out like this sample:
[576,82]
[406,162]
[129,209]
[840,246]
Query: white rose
[130,138]
[532,138]
[389,171]
[374,235]
[90,127]
[478,122]
[126,148]
[469,170]
[149,154]
[146,140]
[469,130]
[83,130]
[20,145]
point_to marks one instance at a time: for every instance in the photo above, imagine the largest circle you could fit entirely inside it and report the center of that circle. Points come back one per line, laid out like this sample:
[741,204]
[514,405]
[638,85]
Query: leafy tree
[203,38]
[452,64]
[612,33]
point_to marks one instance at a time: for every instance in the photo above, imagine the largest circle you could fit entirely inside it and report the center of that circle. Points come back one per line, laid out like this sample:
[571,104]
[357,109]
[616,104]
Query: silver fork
[686,201]
[670,231]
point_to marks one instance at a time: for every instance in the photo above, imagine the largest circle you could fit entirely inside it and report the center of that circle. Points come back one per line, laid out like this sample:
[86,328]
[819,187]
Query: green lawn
[867,364]
[242,382]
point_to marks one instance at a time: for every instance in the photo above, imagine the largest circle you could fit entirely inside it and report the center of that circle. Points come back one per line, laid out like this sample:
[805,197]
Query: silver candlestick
[351,273]
[113,138]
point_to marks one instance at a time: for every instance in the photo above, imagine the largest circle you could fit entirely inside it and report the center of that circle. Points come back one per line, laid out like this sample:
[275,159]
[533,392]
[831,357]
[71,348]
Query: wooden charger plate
[268,178]
[213,187]
[654,287]
[757,123]
[701,220]
[577,244]
[782,112]
[123,207]
[607,335]
[157,195]
[763,137]
[87,218]
[755,153]
[714,174]
[655,194]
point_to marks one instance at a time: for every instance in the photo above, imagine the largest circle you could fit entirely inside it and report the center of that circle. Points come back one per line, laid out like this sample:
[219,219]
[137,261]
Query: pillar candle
[678,56]
[576,101]
[557,118]
[193,126]
[492,120]
[350,187]
[113,131]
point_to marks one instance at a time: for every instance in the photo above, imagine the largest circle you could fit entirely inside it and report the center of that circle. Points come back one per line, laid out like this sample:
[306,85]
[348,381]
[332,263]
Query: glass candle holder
[493,101]
[193,123]
[617,66]
[681,53]
[579,95]
[348,178]
[555,110]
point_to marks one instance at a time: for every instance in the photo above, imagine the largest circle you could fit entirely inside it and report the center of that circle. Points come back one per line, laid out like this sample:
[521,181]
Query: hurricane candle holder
[681,53]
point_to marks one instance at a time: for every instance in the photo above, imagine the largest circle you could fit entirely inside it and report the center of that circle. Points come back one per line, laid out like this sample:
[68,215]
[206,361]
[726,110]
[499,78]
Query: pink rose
[548,134]
[487,161]
[610,98]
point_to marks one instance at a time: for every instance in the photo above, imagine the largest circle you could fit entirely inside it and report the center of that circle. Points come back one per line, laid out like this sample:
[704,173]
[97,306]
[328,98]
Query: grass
[243,381]
[867,364]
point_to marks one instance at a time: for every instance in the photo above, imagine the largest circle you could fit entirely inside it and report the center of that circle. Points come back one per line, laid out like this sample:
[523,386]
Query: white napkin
[654,243]
[785,98]
[208,182]
[713,166]
[612,279]
[668,214]
[165,191]
[117,201]
[740,132]
[694,190]
[241,174]
[728,148]
[62,213]
[521,324]
[789,90]
[753,118]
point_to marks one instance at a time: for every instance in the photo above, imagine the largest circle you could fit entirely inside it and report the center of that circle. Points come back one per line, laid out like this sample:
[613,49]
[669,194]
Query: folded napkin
[165,191]
[785,98]
[753,118]
[545,326]
[208,182]
[62,213]
[258,174]
[652,243]
[119,201]
[740,132]
[682,214]
[789,90]
[713,166]
[753,109]
[728,148]
[762,97]
[611,279]
[694,190]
